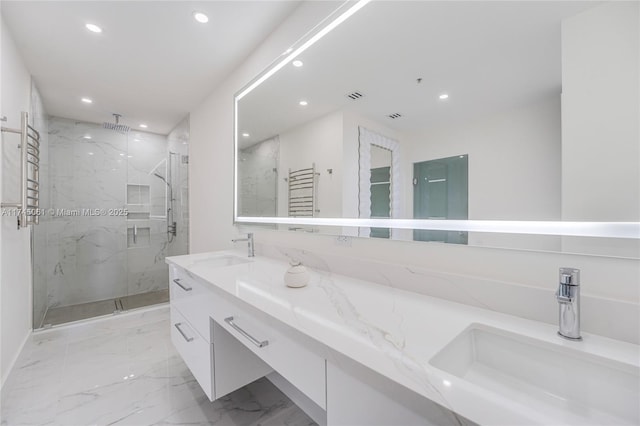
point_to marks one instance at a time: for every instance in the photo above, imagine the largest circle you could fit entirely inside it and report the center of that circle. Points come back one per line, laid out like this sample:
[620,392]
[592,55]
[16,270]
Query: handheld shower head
[158,175]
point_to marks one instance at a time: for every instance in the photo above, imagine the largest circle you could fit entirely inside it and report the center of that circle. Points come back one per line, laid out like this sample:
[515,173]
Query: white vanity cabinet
[217,360]
[195,350]
[228,343]
[293,355]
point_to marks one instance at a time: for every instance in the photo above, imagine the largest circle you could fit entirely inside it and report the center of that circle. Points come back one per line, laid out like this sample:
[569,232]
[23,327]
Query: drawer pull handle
[177,326]
[182,286]
[253,340]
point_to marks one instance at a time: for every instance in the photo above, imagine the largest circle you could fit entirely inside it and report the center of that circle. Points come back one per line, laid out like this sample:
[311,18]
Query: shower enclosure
[115,206]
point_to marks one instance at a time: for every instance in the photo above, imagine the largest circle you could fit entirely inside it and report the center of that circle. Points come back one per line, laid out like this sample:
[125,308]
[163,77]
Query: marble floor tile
[123,370]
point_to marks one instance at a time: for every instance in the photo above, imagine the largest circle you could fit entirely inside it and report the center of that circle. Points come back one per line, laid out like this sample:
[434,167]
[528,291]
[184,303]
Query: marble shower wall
[257,179]
[87,257]
[178,145]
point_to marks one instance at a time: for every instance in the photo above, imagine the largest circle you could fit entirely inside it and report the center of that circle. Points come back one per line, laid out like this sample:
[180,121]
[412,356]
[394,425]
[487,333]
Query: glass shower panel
[147,201]
[178,143]
[108,193]
[84,258]
[39,120]
[258,178]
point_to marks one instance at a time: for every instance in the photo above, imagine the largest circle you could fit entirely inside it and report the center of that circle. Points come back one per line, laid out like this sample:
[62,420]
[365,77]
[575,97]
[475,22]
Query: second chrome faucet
[249,240]
[568,297]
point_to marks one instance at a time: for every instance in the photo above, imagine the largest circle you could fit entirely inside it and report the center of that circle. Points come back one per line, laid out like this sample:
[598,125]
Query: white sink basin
[569,384]
[225,260]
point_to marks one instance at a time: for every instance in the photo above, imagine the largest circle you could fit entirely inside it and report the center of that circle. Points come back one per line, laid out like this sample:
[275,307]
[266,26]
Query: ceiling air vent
[394,115]
[355,95]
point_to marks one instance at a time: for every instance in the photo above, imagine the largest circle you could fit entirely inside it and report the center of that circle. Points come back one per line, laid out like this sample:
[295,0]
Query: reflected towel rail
[303,196]
[29,205]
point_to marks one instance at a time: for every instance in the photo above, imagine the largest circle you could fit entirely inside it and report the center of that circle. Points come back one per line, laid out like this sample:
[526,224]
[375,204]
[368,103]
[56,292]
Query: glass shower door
[83,259]
[108,193]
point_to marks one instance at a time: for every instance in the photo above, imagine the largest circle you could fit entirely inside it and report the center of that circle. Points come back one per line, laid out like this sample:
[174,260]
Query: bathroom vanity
[352,352]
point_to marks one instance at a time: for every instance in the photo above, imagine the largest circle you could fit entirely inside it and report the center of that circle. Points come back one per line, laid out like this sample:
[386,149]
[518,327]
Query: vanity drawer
[193,300]
[195,351]
[279,346]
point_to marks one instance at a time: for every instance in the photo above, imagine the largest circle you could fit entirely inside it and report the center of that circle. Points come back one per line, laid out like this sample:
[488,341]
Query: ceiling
[152,63]
[487,56]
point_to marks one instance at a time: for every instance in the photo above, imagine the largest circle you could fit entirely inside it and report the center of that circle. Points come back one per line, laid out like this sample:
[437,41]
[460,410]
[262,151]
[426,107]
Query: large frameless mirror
[454,122]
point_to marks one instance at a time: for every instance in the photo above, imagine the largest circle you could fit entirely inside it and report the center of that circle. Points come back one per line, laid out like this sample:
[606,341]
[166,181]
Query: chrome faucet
[249,241]
[568,296]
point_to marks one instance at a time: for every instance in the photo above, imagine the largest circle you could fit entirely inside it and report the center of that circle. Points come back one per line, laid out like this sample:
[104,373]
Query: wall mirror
[431,121]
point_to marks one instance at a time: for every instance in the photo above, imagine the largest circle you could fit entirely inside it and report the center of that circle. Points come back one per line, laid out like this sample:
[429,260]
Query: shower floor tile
[81,311]
[145,299]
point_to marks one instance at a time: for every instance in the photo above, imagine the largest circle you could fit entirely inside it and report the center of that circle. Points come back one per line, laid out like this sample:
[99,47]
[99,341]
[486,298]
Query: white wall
[319,142]
[15,268]
[605,279]
[601,117]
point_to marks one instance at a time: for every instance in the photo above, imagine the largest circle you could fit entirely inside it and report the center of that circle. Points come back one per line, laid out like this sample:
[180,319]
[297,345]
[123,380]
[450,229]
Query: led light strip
[575,229]
[312,40]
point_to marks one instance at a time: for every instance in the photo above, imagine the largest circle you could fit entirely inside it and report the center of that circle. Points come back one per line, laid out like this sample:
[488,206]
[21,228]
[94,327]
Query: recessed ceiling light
[121,154]
[246,135]
[93,28]
[303,103]
[200,17]
[87,100]
[297,63]
[144,126]
[444,96]
[87,137]
[129,156]
[136,140]
[91,153]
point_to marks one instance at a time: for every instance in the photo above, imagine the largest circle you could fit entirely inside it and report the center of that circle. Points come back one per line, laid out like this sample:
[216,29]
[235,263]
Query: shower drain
[119,307]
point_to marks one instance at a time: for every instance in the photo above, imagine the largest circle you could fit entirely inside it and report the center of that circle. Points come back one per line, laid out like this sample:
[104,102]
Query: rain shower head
[121,128]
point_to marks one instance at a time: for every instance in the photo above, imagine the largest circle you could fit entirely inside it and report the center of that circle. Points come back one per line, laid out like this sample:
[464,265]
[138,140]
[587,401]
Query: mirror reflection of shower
[172,226]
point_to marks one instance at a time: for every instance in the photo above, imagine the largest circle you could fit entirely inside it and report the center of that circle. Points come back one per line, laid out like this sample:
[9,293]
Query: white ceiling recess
[152,63]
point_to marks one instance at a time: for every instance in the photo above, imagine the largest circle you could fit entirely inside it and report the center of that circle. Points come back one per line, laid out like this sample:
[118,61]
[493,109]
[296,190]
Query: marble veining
[125,371]
[83,259]
[513,298]
[396,332]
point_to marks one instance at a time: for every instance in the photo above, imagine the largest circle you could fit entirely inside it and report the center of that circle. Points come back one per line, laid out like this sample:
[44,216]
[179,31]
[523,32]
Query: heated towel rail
[28,209]
[303,195]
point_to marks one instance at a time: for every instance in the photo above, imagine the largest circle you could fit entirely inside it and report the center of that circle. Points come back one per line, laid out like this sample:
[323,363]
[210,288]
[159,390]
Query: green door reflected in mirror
[441,191]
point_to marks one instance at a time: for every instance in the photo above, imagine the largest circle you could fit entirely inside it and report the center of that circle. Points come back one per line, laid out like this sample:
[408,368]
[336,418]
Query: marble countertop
[395,333]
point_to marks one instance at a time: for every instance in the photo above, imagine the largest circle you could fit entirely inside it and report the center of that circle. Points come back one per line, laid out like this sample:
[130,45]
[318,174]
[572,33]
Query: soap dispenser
[297,275]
